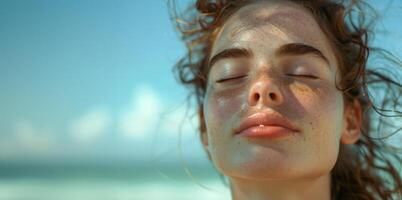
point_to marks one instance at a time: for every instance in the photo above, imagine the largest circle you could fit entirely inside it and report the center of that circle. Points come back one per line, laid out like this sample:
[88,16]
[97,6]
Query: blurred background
[90,109]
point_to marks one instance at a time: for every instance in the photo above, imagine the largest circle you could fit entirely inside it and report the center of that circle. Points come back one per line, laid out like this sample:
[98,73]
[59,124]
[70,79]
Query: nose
[264,91]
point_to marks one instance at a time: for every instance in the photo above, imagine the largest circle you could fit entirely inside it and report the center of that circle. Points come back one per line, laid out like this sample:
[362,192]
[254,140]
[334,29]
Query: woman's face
[288,73]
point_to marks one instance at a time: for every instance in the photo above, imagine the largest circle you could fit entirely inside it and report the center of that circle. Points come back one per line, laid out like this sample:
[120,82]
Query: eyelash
[230,79]
[304,76]
[239,77]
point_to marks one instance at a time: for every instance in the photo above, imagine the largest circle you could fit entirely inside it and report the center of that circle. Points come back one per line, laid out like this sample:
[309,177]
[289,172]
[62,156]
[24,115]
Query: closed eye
[303,76]
[231,79]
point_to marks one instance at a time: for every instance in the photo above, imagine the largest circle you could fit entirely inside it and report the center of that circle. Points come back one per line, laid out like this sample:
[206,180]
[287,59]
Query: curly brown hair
[367,170]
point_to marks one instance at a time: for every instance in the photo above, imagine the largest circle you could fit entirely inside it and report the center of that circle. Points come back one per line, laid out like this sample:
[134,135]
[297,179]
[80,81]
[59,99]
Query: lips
[265,124]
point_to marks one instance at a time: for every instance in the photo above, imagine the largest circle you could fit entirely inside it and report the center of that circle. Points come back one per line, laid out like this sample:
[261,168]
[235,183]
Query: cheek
[321,110]
[319,102]
[222,106]
[322,107]
[221,109]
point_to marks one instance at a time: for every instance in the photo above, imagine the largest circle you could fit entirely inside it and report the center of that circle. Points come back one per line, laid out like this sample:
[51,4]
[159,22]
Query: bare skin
[299,88]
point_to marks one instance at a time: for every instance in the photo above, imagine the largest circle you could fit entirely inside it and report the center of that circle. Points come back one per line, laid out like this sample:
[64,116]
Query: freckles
[305,96]
[319,103]
[313,94]
[301,89]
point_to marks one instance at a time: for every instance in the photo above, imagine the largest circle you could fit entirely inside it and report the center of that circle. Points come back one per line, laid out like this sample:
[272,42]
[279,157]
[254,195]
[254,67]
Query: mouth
[267,125]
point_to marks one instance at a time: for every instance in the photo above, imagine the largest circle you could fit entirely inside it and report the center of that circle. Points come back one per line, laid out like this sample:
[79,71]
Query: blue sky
[67,66]
[78,78]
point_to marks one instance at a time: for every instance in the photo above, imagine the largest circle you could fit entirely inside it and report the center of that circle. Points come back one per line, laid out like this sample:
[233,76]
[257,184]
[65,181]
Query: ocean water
[61,189]
[108,183]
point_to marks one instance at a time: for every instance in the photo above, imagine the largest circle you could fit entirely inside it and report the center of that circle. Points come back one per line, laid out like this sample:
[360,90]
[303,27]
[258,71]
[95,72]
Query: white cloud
[141,118]
[29,138]
[152,124]
[26,140]
[149,114]
[180,119]
[91,125]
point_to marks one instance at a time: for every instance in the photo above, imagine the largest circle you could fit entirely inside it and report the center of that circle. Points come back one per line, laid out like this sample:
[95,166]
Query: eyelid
[302,71]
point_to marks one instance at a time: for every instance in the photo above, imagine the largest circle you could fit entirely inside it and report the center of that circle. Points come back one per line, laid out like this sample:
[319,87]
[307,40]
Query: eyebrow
[287,49]
[231,53]
[300,49]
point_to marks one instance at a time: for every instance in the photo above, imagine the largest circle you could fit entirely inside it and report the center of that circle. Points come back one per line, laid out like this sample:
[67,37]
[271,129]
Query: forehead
[270,24]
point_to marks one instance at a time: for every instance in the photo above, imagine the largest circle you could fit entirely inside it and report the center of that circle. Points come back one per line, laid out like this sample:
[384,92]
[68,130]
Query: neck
[314,188]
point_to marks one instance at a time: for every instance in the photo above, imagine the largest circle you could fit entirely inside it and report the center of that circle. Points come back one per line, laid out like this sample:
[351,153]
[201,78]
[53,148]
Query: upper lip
[266,119]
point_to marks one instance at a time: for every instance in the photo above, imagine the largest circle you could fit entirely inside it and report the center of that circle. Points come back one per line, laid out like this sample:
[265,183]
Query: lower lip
[266,131]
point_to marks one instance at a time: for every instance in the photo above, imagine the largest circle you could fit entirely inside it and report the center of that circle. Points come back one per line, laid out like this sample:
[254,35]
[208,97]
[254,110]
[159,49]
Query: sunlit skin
[300,88]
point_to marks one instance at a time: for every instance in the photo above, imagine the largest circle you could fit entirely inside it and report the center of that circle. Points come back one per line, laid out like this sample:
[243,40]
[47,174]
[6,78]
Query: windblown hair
[368,169]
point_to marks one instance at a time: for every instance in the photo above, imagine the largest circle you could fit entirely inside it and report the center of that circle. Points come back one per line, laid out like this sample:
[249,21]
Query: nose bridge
[264,89]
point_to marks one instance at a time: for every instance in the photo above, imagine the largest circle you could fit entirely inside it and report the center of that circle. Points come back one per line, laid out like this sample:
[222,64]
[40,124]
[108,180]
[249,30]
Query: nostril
[256,96]
[272,96]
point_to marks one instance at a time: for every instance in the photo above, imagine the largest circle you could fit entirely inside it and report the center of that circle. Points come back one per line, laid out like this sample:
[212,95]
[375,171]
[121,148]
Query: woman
[283,102]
